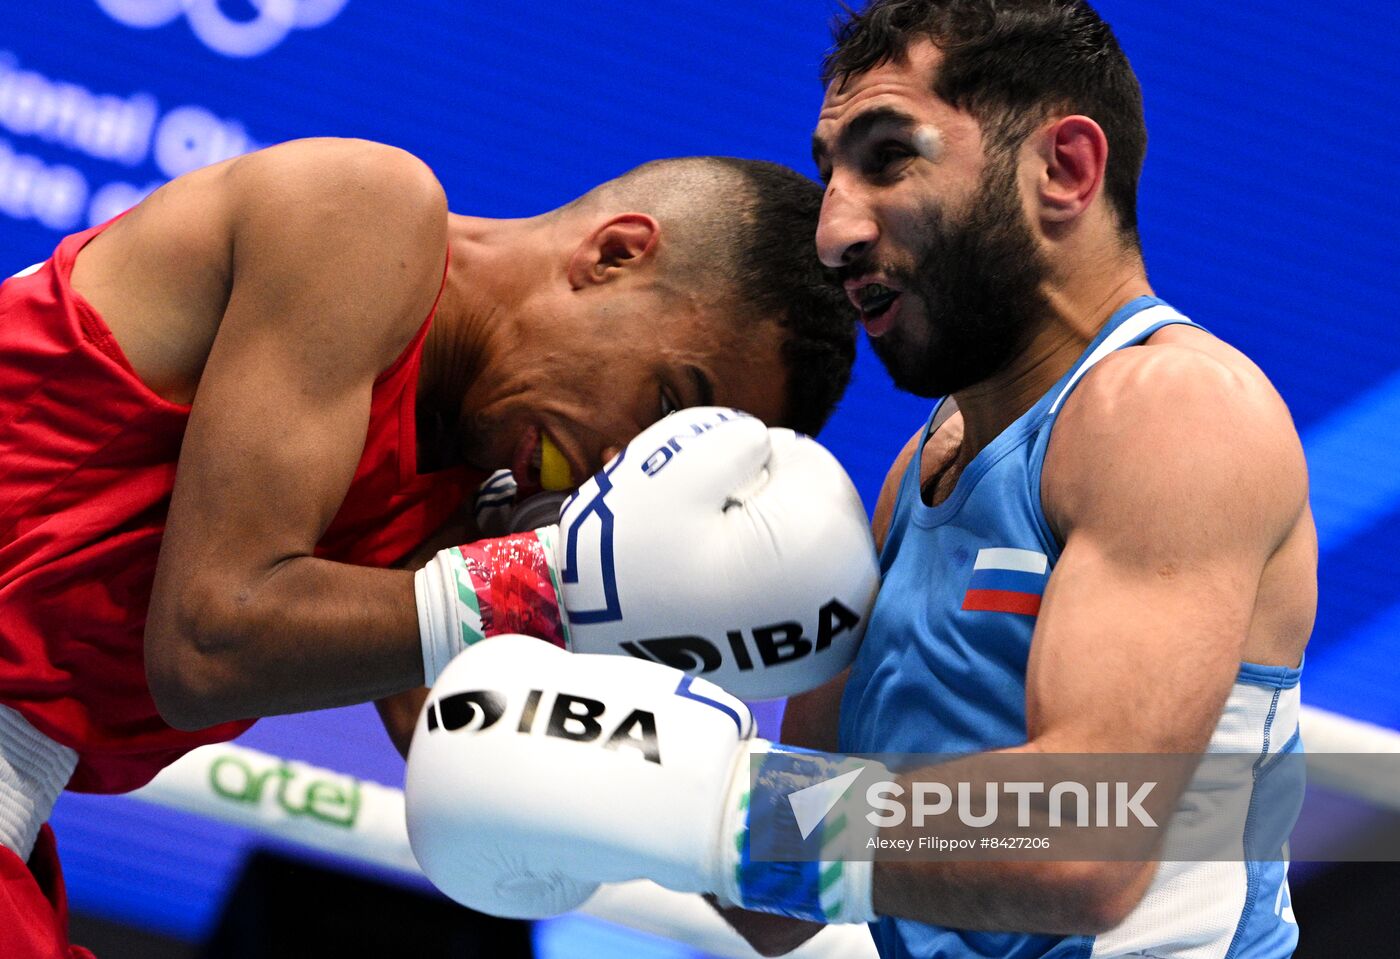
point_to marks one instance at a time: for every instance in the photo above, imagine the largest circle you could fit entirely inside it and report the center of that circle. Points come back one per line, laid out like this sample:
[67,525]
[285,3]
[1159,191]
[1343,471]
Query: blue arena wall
[1269,211]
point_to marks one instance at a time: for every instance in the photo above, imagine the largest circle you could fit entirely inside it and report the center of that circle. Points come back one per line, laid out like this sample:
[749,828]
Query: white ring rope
[1332,741]
[336,813]
[339,814]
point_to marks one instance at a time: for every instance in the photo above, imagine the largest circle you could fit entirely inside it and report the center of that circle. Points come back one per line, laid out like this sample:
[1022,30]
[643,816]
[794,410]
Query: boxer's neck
[497,269]
[1076,312]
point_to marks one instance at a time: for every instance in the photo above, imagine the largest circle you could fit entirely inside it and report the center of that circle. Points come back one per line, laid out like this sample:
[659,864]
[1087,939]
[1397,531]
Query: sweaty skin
[271,290]
[1174,479]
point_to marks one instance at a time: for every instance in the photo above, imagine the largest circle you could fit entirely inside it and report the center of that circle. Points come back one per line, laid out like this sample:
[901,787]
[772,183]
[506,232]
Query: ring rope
[339,814]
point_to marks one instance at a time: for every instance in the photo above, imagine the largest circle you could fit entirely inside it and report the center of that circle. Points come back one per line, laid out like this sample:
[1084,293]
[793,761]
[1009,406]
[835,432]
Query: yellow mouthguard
[554,469]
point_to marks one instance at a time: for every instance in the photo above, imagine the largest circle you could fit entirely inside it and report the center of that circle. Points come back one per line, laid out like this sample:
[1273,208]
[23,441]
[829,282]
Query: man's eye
[887,155]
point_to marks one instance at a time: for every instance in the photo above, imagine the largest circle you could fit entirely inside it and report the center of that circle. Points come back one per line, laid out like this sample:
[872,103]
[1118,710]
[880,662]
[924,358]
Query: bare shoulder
[358,173]
[358,229]
[180,242]
[324,223]
[353,189]
[324,180]
[1184,412]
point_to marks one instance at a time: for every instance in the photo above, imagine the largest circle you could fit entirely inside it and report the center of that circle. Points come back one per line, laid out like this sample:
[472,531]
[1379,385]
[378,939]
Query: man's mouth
[875,299]
[530,468]
[877,304]
[526,463]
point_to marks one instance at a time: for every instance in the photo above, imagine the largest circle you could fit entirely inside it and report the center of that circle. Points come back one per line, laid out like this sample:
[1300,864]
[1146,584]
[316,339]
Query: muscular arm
[1172,479]
[336,254]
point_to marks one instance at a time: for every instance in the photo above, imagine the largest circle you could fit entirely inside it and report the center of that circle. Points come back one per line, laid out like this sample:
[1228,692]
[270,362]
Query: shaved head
[741,235]
[705,205]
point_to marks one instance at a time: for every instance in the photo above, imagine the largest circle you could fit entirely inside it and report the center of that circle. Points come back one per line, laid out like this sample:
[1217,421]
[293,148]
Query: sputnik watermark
[806,806]
[1097,804]
[1108,806]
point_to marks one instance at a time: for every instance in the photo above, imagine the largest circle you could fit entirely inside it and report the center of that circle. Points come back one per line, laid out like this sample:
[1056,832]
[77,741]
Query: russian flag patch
[1007,581]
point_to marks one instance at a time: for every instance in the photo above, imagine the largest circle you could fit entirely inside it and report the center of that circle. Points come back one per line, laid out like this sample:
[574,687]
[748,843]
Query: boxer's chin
[943,365]
[907,363]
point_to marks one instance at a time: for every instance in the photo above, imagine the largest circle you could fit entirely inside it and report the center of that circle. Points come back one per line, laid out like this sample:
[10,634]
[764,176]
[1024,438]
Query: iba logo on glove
[575,718]
[775,644]
[723,548]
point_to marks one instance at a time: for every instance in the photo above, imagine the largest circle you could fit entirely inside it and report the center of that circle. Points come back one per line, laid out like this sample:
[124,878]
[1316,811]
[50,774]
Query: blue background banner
[1269,211]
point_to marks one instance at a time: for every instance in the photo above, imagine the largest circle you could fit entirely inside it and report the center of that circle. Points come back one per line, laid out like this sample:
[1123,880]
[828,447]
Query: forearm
[311,634]
[399,713]
[1059,898]
[1095,879]
[1052,898]
[882,824]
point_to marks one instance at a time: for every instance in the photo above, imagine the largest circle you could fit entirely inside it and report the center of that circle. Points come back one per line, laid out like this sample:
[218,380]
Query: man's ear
[620,243]
[1075,152]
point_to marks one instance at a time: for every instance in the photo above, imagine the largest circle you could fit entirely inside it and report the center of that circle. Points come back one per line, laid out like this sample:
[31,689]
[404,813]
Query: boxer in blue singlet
[1100,542]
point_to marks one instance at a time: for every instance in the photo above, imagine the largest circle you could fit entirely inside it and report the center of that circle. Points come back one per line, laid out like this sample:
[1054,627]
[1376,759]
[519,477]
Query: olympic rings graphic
[221,33]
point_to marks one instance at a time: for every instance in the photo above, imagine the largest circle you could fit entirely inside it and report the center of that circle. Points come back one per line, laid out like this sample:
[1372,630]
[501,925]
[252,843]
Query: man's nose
[845,231]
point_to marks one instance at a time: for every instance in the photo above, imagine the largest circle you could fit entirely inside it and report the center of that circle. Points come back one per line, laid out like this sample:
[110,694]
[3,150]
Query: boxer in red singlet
[224,415]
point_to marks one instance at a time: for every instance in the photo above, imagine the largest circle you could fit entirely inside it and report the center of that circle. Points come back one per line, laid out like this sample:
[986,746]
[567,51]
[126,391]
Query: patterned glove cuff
[798,836]
[504,585]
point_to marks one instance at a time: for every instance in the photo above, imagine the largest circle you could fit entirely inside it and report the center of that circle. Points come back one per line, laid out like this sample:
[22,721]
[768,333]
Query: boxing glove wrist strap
[768,865]
[505,585]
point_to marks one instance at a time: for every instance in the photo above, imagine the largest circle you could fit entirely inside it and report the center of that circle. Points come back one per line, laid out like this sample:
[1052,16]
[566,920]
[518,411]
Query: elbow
[182,685]
[1098,896]
[185,664]
[181,697]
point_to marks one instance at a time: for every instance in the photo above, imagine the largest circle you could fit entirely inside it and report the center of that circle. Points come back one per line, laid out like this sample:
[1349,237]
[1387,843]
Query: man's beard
[979,280]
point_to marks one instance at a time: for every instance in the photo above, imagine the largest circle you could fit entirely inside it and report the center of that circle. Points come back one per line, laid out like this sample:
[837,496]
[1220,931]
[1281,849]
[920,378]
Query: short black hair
[1011,64]
[780,273]
[747,233]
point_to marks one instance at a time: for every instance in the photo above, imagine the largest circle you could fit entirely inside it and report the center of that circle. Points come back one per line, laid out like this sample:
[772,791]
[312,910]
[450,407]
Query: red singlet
[87,463]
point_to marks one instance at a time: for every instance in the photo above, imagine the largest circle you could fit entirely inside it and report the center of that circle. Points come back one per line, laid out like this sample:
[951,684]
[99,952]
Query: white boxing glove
[711,543]
[536,774]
